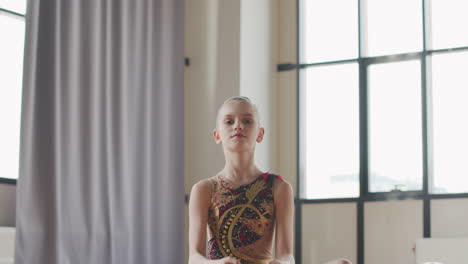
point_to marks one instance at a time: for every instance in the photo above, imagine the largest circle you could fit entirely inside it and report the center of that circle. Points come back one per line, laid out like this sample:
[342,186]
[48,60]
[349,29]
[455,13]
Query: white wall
[232,48]
[449,218]
[286,143]
[391,229]
[7,204]
[258,50]
[202,156]
[329,231]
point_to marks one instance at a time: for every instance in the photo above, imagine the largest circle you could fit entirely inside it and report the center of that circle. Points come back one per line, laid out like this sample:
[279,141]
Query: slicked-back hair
[244,99]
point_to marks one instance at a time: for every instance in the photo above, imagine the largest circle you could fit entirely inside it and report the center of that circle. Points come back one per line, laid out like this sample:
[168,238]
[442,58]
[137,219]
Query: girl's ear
[261,133]
[216,136]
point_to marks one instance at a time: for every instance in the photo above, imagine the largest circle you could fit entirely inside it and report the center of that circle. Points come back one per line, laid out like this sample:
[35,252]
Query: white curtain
[101,159]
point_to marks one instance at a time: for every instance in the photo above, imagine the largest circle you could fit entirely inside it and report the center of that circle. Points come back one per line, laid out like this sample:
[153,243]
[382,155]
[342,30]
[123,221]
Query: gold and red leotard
[241,220]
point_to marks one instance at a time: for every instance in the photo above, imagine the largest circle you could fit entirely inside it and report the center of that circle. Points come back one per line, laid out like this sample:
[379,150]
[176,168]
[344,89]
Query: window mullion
[363,130]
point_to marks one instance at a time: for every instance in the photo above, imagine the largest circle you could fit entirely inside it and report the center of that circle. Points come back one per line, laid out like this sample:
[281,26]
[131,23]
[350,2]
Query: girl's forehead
[238,114]
[237,108]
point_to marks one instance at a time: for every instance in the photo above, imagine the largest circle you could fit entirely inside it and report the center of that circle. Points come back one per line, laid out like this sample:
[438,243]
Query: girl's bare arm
[198,216]
[284,213]
[200,197]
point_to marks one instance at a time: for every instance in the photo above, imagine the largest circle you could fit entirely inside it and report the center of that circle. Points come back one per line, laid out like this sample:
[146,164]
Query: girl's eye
[248,121]
[229,122]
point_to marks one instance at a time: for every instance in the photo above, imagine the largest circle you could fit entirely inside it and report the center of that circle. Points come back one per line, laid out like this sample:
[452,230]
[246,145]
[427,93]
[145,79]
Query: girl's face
[237,127]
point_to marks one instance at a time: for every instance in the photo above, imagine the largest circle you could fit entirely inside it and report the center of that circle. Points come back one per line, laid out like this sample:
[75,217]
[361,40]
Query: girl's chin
[240,148]
[237,139]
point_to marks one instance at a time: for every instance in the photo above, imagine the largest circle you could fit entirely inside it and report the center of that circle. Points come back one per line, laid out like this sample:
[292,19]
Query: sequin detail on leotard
[241,220]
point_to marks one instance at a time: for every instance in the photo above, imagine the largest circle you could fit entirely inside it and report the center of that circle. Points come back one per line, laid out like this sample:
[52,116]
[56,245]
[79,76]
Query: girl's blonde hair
[244,99]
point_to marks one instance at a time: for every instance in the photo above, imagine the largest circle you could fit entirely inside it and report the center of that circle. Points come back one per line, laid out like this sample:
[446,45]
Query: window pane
[395,137]
[393,26]
[11,70]
[450,125]
[328,33]
[18,6]
[331,136]
[449,23]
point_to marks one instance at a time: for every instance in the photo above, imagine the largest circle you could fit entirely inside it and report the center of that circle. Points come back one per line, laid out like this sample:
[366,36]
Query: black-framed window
[382,97]
[12,32]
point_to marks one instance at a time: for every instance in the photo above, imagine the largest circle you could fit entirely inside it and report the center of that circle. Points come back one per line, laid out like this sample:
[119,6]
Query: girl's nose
[238,125]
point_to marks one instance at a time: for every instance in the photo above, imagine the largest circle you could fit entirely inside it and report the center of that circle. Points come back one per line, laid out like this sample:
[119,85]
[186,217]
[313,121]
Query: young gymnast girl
[242,208]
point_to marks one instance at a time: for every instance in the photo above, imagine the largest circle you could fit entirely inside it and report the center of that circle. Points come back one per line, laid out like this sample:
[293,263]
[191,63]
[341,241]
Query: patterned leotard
[241,220]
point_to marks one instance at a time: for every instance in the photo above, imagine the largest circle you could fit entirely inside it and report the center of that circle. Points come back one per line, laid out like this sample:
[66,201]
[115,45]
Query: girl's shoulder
[204,187]
[280,185]
[274,177]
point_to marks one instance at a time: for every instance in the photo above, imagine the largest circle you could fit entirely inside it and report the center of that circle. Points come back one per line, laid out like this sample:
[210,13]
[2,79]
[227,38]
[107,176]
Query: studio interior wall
[214,48]
[7,204]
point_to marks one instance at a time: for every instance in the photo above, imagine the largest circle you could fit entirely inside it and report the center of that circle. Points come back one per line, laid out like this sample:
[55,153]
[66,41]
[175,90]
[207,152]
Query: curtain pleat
[101,175]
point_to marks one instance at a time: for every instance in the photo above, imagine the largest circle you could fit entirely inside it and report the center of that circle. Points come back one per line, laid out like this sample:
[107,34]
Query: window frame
[365,196]
[363,64]
[16,15]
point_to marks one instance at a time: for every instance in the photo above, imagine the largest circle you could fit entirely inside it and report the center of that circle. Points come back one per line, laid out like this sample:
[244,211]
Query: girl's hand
[227,260]
[284,260]
[278,262]
[274,262]
[339,261]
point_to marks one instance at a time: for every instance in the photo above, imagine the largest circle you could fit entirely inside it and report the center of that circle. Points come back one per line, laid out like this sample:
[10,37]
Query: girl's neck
[240,168]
